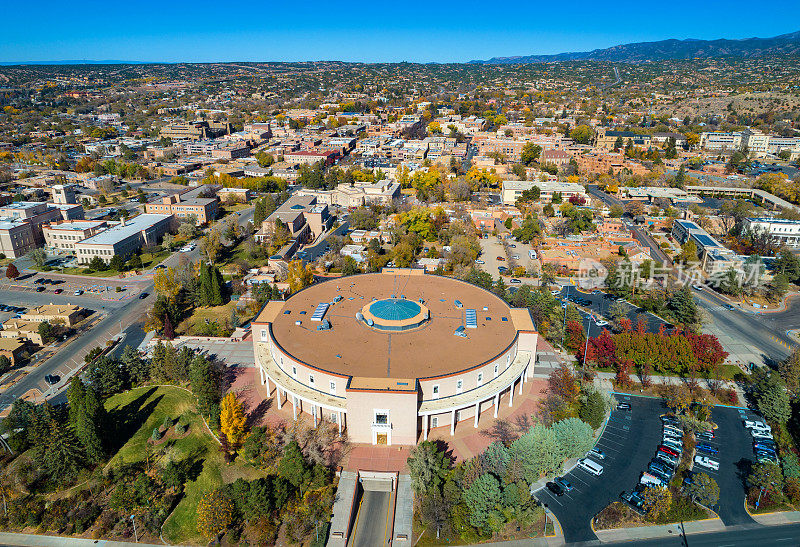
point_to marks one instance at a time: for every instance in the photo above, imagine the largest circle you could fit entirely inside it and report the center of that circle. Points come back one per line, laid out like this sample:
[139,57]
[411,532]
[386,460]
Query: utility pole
[135,534]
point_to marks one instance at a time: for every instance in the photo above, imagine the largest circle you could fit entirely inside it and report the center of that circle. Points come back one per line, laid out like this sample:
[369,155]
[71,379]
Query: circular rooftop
[394,314]
[434,306]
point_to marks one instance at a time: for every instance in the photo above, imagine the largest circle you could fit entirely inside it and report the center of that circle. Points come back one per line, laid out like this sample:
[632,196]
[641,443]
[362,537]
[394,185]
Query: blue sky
[437,31]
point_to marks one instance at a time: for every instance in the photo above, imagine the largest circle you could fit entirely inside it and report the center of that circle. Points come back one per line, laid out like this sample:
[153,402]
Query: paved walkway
[781,517]
[663,531]
[233,354]
[7,538]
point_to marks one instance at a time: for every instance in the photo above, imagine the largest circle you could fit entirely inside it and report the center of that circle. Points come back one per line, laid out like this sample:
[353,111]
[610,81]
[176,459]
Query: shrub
[792,490]
[156,435]
[167,423]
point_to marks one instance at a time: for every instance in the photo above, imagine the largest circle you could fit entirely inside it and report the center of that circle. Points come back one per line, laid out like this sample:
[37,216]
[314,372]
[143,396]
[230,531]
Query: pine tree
[138,369]
[233,421]
[216,287]
[87,419]
[169,331]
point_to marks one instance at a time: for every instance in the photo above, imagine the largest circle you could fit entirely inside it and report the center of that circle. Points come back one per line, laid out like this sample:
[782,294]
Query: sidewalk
[662,531]
[7,538]
[780,517]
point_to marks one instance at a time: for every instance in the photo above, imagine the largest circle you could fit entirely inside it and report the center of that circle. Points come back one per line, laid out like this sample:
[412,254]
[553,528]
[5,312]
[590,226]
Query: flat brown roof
[351,348]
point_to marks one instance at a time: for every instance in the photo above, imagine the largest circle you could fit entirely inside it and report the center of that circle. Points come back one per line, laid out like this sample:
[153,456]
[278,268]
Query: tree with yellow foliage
[233,422]
[165,283]
[299,277]
[214,514]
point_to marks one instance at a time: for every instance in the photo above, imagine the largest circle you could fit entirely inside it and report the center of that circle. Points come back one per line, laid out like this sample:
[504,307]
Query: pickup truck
[706,462]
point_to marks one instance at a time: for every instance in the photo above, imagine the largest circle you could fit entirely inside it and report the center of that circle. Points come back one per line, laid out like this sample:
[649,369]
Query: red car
[58,291]
[667,450]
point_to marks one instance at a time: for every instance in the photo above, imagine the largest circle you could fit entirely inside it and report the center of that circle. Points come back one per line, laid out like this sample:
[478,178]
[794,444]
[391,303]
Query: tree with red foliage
[562,382]
[575,199]
[707,350]
[12,272]
[625,324]
[575,335]
[602,350]
[624,369]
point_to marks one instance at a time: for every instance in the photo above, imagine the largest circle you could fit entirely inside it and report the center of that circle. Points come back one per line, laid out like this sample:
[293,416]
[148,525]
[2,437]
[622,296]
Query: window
[311,379]
[496,367]
[480,378]
[263,334]
[459,386]
[435,421]
[294,370]
[333,388]
[381,417]
[436,391]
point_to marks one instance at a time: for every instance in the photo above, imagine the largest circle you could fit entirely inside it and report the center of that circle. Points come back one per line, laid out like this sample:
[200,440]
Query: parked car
[670,443]
[58,291]
[52,379]
[515,257]
[623,406]
[707,449]
[555,488]
[634,500]
[665,477]
[755,424]
[600,322]
[479,261]
[563,483]
[668,450]
[143,295]
[501,259]
[708,463]
[40,288]
[78,292]
[596,453]
[516,281]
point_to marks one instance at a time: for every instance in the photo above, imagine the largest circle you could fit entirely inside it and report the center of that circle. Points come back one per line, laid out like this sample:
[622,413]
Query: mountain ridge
[672,48]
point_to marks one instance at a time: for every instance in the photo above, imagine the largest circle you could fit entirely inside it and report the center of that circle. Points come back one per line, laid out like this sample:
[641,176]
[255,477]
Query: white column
[278,396]
[477,412]
[294,407]
[339,421]
[452,423]
[426,419]
[511,395]
[520,385]
[496,403]
[266,382]
[314,412]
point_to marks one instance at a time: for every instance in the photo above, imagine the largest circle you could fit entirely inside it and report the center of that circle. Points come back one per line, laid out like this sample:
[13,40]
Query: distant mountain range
[642,52]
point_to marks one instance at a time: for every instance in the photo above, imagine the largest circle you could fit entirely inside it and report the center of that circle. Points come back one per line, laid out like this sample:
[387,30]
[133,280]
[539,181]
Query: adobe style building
[184,206]
[125,238]
[390,355]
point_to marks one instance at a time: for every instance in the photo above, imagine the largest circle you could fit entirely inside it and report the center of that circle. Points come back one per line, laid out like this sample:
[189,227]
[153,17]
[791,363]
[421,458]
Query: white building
[783,231]
[512,190]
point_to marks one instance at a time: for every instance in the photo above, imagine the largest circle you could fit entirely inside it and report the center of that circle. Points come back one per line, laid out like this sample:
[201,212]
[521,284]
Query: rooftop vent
[471,319]
[459,304]
[460,332]
[325,325]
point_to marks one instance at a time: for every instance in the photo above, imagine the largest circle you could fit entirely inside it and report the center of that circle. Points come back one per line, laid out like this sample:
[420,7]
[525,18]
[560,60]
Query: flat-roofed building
[195,131]
[513,189]
[204,209]
[302,215]
[125,238]
[64,234]
[16,237]
[13,348]
[64,314]
[20,329]
[782,231]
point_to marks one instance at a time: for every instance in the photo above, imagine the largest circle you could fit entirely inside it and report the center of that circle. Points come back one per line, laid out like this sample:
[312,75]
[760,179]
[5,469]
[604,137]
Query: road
[735,536]
[371,525]
[758,331]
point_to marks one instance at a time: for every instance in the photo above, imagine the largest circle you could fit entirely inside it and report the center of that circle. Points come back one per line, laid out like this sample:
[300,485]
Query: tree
[767,476]
[214,514]
[581,134]
[138,369]
[657,501]
[233,422]
[593,409]
[5,364]
[300,276]
[87,418]
[481,497]
[428,466]
[683,307]
[117,263]
[530,153]
[293,467]
[46,332]
[107,376]
[39,257]
[205,381]
[771,396]
[562,382]
[97,264]
[704,490]
[12,272]
[210,245]
[574,437]
[676,396]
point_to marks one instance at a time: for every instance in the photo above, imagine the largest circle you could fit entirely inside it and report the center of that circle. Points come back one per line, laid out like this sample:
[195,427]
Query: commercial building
[125,238]
[782,231]
[714,256]
[608,140]
[512,190]
[13,348]
[19,329]
[37,214]
[64,234]
[63,314]
[757,143]
[195,131]
[302,215]
[16,237]
[185,205]
[388,356]
[356,194]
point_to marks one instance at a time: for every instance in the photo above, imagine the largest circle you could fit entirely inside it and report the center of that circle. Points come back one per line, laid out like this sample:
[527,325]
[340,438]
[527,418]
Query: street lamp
[136,535]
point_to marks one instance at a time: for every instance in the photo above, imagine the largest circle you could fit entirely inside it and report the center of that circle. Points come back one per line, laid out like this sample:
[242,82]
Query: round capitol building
[388,356]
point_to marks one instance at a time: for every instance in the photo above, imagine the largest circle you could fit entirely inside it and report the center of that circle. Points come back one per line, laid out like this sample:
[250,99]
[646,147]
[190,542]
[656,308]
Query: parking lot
[599,304]
[629,442]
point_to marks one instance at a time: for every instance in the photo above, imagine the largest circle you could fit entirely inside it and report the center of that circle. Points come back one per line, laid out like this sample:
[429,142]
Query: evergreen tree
[87,418]
[137,368]
[205,380]
[60,455]
[593,409]
[684,307]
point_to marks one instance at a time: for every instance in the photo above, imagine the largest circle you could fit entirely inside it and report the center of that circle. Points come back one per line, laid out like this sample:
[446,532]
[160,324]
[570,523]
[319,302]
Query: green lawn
[149,260]
[137,412]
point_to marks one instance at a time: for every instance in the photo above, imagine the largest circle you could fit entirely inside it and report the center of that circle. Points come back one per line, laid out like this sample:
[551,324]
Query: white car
[697,287]
[706,462]
[755,424]
[601,322]
[596,453]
